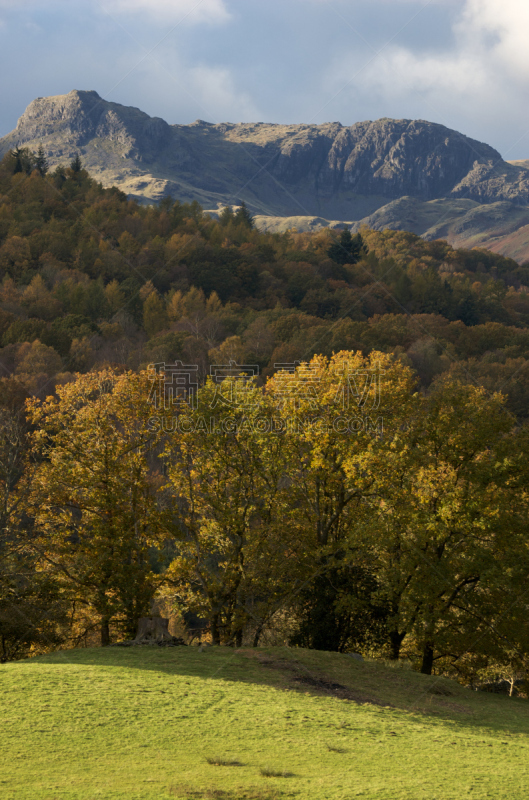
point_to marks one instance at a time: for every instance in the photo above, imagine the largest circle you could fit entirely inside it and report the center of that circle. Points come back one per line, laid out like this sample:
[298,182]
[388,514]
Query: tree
[348,249]
[244,217]
[225,466]
[76,165]
[342,416]
[114,297]
[22,160]
[41,162]
[37,358]
[226,216]
[94,496]
[31,609]
[440,520]
[154,314]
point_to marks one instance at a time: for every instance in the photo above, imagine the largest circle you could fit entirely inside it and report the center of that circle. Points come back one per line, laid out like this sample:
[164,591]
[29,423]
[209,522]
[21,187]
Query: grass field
[164,723]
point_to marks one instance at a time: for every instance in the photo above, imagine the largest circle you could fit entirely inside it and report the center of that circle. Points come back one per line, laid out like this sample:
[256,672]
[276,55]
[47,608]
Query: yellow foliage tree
[94,497]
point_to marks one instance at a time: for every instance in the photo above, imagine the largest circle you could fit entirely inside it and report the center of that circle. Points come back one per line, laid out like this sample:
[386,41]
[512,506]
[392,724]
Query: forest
[337,462]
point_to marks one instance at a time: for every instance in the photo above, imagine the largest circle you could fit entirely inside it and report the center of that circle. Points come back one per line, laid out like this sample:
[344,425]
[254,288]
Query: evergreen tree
[244,217]
[23,160]
[41,162]
[226,216]
[348,249]
[76,163]
[17,161]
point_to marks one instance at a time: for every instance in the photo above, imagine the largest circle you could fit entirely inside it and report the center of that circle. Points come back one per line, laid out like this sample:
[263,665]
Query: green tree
[440,519]
[154,314]
[76,165]
[348,249]
[244,217]
[226,216]
[342,416]
[22,160]
[32,612]
[41,162]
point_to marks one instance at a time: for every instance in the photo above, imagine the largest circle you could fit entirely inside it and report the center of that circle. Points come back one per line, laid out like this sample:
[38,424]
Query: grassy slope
[141,723]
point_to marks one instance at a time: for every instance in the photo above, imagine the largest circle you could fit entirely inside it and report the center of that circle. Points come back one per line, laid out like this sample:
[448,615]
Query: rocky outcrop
[318,165]
[392,173]
[76,114]
[79,119]
[402,157]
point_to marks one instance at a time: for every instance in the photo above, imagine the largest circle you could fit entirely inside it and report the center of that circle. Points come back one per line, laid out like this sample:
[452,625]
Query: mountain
[391,173]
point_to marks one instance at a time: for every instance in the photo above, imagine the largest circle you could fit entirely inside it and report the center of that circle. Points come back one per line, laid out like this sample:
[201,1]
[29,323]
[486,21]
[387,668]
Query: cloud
[497,32]
[208,11]
[215,90]
[490,39]
[476,78]
[403,72]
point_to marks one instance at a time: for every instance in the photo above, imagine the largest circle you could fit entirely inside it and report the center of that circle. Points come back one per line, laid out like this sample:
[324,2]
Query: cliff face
[79,117]
[327,170]
[399,157]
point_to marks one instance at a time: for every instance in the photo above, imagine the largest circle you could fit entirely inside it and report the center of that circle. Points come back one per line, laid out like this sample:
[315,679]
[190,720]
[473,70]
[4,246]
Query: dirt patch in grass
[186,793]
[299,677]
[440,690]
[458,709]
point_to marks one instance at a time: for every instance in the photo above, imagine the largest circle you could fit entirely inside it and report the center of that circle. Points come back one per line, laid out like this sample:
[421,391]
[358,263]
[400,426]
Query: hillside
[399,174]
[89,278]
[151,723]
[329,170]
[502,227]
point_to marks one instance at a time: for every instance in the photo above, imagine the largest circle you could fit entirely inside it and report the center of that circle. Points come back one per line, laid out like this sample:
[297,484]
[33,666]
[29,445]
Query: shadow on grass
[317,673]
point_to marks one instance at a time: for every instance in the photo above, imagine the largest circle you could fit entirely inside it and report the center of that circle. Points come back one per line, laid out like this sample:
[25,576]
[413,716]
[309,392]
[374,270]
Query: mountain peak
[328,170]
[77,110]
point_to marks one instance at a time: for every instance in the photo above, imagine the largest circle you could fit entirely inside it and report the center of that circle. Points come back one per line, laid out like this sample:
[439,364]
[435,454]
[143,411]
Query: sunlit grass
[155,724]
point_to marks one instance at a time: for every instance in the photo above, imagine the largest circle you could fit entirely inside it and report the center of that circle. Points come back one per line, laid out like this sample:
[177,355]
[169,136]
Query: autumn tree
[226,469]
[440,519]
[341,417]
[32,613]
[94,495]
[154,314]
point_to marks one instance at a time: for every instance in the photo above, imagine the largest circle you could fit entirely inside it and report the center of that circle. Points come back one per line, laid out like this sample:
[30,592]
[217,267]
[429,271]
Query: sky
[462,63]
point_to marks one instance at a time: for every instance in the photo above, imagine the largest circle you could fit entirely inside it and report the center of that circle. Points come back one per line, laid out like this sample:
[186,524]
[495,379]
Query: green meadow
[162,723]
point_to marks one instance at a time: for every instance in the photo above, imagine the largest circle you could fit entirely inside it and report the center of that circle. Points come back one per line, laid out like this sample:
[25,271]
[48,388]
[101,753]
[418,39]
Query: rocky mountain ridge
[357,173]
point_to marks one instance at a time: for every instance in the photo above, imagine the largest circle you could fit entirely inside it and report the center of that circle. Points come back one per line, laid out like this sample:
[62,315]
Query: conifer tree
[76,163]
[41,162]
[348,249]
[226,216]
[244,216]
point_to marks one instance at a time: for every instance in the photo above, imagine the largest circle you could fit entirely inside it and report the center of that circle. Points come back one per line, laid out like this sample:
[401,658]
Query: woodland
[366,490]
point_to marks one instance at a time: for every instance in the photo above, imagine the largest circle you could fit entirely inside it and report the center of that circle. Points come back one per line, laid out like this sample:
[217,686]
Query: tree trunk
[105,632]
[257,635]
[152,629]
[396,640]
[427,659]
[215,633]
